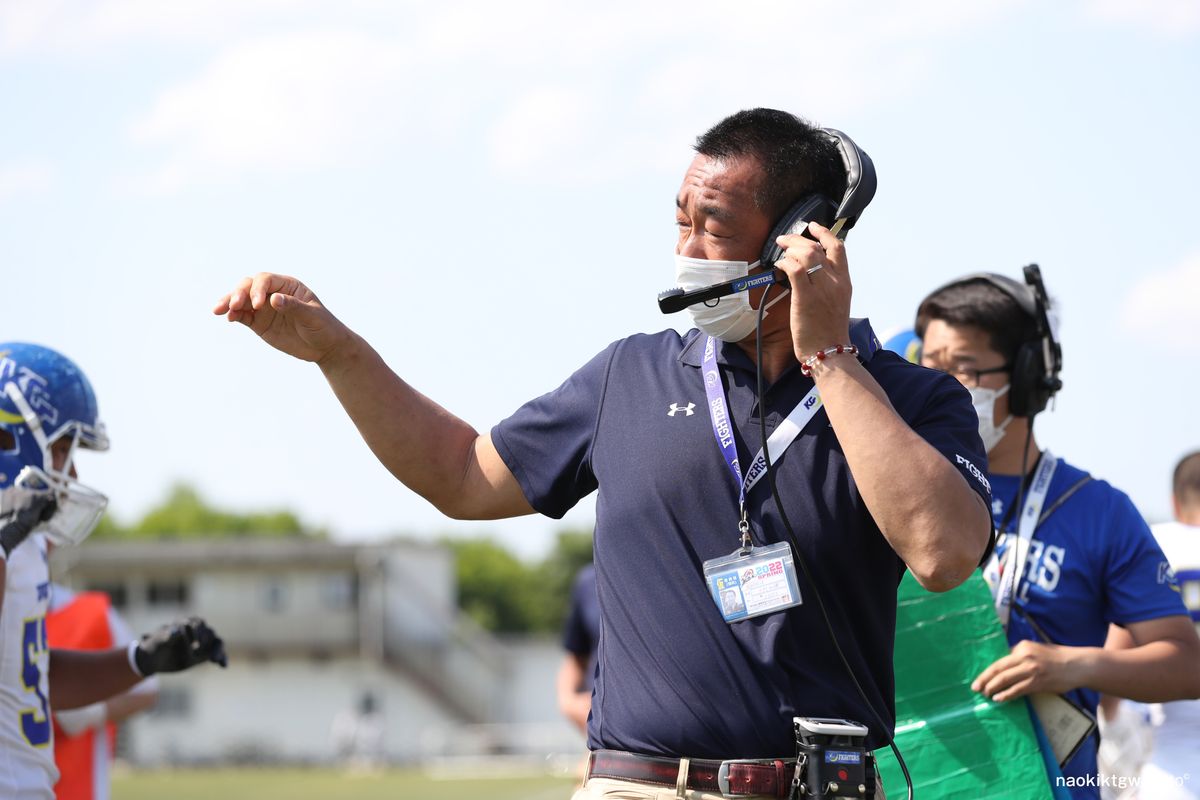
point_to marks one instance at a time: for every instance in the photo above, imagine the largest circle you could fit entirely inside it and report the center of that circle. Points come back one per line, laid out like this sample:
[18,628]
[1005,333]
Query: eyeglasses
[969,376]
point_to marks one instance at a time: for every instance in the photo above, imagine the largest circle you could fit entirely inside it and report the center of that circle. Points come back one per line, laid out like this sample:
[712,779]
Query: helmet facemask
[79,506]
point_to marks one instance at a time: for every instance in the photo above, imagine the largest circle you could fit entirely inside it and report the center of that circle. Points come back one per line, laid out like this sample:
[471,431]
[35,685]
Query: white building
[312,629]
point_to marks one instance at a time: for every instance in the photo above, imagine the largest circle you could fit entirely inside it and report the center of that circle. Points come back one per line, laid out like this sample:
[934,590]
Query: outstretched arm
[80,677]
[428,449]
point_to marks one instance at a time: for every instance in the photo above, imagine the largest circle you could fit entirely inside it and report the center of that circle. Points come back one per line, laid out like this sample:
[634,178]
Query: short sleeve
[1138,583]
[547,443]
[948,422]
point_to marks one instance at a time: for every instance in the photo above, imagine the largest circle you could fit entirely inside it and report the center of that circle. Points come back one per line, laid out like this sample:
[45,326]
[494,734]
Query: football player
[47,413]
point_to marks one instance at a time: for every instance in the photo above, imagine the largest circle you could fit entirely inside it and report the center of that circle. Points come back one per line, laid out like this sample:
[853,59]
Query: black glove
[178,646]
[40,509]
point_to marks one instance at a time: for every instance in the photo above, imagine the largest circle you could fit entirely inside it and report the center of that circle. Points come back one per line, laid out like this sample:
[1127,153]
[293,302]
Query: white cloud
[1168,18]
[1163,306]
[289,102]
[545,123]
[73,27]
[25,179]
[656,73]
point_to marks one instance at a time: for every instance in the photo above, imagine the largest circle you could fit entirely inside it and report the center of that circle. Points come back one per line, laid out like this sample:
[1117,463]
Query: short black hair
[1186,483]
[797,158]
[980,304]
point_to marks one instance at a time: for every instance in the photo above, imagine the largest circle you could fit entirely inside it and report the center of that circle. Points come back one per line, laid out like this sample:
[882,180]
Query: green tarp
[957,744]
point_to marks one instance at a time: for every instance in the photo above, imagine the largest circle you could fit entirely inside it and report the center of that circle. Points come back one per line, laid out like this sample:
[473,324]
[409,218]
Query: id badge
[751,582]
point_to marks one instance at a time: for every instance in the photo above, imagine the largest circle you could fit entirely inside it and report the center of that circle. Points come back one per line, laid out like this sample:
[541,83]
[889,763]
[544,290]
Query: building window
[167,593]
[339,592]
[118,595]
[274,596]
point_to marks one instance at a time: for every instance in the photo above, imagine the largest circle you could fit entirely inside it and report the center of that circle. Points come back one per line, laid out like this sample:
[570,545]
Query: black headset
[1038,361]
[838,217]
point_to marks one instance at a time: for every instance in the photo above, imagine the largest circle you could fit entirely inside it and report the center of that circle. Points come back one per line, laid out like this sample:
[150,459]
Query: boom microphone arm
[677,299]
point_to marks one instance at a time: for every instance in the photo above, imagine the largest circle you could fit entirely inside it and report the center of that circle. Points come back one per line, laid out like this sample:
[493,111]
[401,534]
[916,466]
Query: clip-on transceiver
[832,760]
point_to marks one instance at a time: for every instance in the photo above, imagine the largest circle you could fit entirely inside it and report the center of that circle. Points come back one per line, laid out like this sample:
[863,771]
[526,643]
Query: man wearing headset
[1087,557]
[874,480]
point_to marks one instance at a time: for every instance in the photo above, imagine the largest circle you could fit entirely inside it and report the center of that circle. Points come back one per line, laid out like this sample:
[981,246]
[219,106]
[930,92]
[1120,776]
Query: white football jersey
[1177,740]
[27,770]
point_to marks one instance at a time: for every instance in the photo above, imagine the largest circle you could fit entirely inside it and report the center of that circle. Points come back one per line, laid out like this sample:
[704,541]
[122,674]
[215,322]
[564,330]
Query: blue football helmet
[906,344]
[45,397]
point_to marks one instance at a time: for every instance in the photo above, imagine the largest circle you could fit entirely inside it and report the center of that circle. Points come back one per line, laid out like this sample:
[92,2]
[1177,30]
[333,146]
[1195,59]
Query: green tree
[184,513]
[495,588]
[506,595]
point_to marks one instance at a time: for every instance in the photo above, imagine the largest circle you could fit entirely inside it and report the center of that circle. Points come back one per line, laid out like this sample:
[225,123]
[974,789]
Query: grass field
[319,784]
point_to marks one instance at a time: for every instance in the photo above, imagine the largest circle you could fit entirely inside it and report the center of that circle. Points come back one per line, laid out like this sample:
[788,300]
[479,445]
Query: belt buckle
[723,773]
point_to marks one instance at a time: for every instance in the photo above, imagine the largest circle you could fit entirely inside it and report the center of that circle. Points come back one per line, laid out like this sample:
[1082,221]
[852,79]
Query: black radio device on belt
[832,760]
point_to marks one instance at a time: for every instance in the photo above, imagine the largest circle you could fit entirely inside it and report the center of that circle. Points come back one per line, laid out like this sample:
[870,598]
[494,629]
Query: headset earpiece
[813,207]
[1028,394]
[860,188]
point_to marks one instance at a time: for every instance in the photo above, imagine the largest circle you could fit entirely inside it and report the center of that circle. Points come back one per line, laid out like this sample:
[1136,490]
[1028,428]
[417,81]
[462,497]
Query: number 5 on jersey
[35,722]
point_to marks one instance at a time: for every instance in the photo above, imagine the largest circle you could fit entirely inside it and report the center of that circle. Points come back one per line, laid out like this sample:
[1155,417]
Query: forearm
[79,677]
[75,721]
[1118,639]
[1156,672]
[425,447]
[923,506]
[570,678]
[129,703]
[573,703]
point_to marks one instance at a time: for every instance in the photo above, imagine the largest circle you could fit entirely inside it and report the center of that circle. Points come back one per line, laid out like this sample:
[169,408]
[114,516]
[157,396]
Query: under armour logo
[686,409]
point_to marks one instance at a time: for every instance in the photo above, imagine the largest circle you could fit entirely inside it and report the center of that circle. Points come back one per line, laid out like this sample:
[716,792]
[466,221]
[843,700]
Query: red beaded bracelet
[806,366]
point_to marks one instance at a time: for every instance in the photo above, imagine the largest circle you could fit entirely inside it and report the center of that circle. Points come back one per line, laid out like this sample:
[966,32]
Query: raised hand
[286,315]
[820,280]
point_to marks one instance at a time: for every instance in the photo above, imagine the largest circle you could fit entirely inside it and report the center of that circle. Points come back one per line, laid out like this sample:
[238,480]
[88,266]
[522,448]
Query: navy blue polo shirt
[674,678]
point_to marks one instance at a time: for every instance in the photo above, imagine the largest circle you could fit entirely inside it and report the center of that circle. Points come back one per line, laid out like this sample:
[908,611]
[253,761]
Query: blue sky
[485,192]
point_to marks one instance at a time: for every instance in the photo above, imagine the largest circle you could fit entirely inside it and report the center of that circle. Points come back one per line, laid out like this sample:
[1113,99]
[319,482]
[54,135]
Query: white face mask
[730,318]
[984,401]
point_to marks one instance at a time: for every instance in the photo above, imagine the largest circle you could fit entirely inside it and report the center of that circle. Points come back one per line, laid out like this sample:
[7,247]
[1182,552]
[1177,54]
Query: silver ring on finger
[817,268]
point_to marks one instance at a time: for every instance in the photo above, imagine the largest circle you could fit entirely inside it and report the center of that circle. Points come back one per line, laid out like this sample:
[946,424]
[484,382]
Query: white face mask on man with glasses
[984,401]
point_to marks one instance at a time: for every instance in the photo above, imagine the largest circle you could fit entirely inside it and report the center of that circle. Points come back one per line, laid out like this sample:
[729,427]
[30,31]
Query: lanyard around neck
[777,443]
[1005,581]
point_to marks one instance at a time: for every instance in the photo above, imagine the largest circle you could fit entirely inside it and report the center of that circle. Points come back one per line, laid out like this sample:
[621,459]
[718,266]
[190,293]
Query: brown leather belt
[736,778]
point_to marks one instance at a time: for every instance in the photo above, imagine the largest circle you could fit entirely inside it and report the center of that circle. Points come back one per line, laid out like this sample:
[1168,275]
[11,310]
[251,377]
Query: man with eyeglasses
[1088,558]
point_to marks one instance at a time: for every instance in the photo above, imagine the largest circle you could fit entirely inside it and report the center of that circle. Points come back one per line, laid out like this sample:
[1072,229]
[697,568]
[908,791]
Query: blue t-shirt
[581,632]
[674,679]
[1091,562]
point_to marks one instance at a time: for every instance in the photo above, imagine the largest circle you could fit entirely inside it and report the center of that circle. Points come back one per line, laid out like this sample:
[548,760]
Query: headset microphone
[677,299]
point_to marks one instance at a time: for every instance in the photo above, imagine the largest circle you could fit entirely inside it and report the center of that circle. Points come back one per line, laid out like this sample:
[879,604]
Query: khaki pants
[611,789]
